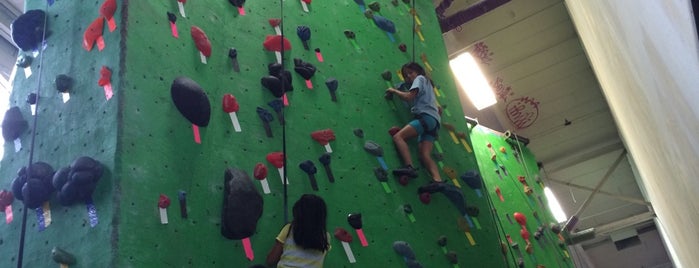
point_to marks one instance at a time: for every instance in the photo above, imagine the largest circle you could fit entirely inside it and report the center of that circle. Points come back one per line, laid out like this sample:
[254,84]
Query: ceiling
[9,10]
[531,53]
[548,93]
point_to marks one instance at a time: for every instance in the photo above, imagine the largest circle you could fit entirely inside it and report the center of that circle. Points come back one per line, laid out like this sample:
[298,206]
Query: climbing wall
[155,133]
[512,184]
[149,150]
[85,125]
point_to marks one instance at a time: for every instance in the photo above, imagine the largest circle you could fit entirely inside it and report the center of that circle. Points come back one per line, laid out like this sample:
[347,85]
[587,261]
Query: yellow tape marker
[468,148]
[456,183]
[436,92]
[453,137]
[470,239]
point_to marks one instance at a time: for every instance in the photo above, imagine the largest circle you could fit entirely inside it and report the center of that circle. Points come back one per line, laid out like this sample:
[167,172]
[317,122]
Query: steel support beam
[612,195]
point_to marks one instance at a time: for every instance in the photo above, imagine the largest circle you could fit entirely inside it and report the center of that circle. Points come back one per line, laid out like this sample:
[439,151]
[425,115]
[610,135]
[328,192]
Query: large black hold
[191,100]
[305,69]
[242,205]
[13,124]
[273,84]
[277,70]
[35,188]
[28,29]
[278,81]
[77,182]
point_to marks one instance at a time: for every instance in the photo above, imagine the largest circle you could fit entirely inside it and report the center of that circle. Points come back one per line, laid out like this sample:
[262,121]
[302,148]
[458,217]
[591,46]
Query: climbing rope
[281,40]
[20,254]
[412,9]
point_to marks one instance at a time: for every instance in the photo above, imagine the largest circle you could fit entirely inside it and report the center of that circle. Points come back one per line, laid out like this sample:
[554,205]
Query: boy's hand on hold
[389,93]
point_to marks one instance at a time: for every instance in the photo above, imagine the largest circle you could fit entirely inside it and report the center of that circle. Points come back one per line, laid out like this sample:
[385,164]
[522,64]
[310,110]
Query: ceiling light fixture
[472,81]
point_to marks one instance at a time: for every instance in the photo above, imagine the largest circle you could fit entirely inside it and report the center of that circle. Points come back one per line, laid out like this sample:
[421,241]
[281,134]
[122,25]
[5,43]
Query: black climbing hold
[242,205]
[191,100]
[28,29]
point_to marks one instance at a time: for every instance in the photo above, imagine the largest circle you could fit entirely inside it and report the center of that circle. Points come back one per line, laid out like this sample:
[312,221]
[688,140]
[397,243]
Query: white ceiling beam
[612,195]
[606,229]
[583,155]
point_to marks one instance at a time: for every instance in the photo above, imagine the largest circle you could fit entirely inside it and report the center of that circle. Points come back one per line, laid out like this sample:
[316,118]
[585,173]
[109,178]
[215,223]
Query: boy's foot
[432,187]
[405,171]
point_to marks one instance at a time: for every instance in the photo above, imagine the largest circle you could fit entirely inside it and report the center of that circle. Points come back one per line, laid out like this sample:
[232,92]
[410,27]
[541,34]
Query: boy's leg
[399,139]
[425,150]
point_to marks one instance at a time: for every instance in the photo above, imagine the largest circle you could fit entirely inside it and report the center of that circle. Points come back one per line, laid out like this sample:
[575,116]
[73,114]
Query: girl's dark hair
[415,67]
[310,215]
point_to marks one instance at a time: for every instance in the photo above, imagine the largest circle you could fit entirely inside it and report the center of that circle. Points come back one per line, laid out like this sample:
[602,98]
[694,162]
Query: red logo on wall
[483,53]
[502,91]
[522,112]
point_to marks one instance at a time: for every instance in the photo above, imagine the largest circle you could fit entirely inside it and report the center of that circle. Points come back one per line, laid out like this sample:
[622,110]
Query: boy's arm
[404,95]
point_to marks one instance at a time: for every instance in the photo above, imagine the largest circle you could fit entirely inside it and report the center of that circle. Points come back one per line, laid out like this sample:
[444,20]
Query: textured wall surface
[164,159]
[86,125]
[503,172]
[148,149]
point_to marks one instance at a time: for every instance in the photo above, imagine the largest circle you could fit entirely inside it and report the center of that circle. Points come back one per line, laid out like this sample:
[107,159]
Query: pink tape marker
[111,24]
[108,93]
[195,130]
[285,100]
[355,220]
[8,214]
[309,84]
[248,249]
[241,11]
[173,29]
[319,56]
[100,43]
[105,82]
[362,238]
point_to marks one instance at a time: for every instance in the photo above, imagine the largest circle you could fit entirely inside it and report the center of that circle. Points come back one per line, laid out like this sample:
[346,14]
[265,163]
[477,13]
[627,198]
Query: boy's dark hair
[310,215]
[415,67]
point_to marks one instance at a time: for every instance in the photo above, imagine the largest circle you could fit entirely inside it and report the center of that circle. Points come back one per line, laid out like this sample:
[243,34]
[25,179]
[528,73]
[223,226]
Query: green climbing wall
[148,149]
[86,125]
[180,164]
[511,169]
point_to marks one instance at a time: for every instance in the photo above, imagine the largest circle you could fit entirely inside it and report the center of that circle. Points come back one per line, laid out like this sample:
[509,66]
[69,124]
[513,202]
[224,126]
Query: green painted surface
[164,159]
[84,126]
[148,147]
[545,250]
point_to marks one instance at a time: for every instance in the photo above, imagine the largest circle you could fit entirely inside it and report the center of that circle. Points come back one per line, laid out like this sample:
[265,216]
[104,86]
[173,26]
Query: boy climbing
[420,95]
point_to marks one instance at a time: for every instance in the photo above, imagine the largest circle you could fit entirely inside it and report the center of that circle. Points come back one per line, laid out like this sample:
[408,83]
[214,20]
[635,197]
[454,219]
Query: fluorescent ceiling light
[554,206]
[472,81]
